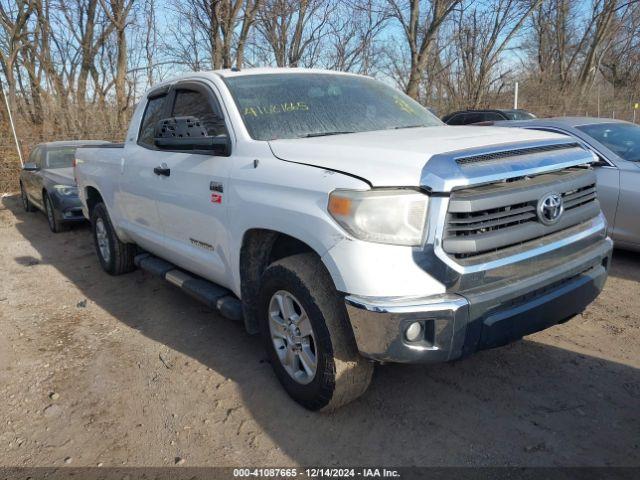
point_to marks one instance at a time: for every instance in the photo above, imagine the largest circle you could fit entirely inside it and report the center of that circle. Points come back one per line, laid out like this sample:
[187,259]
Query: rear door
[192,203]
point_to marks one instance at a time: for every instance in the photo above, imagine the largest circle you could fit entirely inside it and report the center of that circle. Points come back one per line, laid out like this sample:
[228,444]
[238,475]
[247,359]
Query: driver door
[191,198]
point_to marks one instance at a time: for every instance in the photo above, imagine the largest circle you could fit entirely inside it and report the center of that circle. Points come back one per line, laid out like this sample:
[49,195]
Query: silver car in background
[617,145]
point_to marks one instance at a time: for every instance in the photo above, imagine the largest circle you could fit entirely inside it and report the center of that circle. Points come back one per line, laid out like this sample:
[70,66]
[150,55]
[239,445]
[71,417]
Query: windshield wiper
[409,126]
[323,134]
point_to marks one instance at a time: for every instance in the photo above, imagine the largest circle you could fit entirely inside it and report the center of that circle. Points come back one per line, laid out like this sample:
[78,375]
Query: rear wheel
[116,257]
[53,218]
[26,203]
[307,336]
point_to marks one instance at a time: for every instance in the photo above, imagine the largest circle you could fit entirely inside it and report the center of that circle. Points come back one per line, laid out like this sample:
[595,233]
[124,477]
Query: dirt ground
[100,370]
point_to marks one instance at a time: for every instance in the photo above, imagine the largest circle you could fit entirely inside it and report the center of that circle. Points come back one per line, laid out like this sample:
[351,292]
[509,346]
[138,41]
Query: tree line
[76,68]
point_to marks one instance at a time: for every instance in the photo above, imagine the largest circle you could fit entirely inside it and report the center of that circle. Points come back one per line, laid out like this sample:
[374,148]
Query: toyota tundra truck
[343,222]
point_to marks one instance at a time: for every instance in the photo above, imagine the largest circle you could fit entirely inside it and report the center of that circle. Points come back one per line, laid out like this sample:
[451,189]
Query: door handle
[162,170]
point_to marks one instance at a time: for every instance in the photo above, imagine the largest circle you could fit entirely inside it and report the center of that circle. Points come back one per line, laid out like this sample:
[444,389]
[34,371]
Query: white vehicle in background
[345,223]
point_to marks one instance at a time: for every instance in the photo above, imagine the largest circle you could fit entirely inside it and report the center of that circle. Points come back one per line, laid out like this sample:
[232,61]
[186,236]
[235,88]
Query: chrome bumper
[379,327]
[455,325]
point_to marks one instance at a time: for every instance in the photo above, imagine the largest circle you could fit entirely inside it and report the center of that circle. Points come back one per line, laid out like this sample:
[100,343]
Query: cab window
[189,103]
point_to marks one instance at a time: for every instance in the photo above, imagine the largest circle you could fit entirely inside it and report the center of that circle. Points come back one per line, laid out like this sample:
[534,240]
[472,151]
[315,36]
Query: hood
[61,176]
[392,158]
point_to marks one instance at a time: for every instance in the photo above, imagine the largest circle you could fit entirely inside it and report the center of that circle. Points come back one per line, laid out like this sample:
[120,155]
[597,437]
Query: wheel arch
[260,248]
[92,198]
[46,192]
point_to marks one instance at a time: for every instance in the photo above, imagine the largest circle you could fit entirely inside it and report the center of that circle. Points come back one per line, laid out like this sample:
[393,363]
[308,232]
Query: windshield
[621,138]
[60,157]
[295,105]
[518,115]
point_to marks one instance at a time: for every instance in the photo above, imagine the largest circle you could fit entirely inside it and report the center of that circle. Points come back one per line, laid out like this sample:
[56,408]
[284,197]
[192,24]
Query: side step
[212,295]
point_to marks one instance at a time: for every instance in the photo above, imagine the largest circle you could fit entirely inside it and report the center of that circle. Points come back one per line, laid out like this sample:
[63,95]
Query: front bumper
[455,325]
[68,207]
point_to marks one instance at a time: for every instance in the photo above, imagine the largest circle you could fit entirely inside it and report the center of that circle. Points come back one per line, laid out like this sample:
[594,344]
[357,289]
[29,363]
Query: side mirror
[30,167]
[600,162]
[188,133]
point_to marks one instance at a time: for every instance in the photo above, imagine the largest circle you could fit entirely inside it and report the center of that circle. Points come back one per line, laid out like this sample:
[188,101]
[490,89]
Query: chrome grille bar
[491,217]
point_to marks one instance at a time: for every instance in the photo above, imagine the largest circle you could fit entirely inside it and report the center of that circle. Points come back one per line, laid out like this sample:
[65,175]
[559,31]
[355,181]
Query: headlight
[383,216]
[66,190]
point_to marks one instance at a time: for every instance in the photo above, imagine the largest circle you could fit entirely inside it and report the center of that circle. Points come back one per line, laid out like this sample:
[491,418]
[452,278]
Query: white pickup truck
[344,222]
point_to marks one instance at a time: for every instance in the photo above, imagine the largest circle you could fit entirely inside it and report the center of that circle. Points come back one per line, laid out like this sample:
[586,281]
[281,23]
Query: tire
[116,257]
[53,218]
[26,203]
[341,374]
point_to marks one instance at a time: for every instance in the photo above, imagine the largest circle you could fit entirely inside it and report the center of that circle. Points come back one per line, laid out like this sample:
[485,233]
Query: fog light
[413,332]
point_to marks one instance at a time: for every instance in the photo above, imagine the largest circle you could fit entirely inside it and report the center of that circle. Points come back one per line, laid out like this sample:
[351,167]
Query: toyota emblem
[550,208]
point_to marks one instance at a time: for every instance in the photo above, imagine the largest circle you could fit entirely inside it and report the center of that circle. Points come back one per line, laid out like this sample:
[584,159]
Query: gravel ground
[97,370]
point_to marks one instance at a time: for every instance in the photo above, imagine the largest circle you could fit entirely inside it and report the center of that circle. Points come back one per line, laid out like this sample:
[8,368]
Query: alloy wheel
[293,337]
[102,238]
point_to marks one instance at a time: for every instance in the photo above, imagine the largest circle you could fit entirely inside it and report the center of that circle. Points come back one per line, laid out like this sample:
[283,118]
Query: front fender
[287,198]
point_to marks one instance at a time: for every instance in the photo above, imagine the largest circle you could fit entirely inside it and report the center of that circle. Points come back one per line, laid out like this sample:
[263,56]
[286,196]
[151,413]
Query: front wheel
[53,218]
[307,336]
[116,257]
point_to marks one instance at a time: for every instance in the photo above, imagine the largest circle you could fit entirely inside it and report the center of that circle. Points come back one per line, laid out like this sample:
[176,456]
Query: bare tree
[480,37]
[353,32]
[620,63]
[294,30]
[569,49]
[420,21]
[598,33]
[150,38]
[62,61]
[222,25]
[118,11]
[14,17]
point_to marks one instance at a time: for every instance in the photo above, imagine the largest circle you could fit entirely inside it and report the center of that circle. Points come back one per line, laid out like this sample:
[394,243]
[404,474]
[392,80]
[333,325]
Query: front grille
[497,216]
[491,157]
[532,295]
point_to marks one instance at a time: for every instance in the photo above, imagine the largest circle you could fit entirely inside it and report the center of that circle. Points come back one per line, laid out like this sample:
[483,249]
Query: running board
[212,295]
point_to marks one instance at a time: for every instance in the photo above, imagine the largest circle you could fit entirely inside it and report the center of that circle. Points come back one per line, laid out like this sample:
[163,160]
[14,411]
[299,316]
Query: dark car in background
[617,145]
[47,183]
[468,117]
